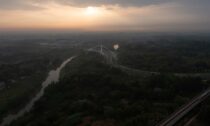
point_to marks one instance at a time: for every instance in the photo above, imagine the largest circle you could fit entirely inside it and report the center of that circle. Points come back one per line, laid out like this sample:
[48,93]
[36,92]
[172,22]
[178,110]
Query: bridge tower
[101,49]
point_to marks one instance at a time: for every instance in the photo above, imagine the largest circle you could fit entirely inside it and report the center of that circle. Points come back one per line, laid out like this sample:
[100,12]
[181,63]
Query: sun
[91,11]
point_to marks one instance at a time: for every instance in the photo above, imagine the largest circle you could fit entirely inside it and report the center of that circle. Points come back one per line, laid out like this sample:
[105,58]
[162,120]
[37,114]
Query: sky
[106,15]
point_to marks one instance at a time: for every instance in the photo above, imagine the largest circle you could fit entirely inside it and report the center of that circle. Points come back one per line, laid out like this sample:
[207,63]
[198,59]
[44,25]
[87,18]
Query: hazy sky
[106,15]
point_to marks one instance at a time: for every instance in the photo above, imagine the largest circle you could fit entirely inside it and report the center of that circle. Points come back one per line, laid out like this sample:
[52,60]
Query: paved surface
[176,116]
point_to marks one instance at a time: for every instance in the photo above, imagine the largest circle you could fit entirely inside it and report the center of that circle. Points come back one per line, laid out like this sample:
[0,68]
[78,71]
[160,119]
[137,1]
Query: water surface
[53,76]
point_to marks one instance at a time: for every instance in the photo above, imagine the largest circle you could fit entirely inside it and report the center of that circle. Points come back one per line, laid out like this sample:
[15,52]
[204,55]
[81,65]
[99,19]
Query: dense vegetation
[23,67]
[181,56]
[93,93]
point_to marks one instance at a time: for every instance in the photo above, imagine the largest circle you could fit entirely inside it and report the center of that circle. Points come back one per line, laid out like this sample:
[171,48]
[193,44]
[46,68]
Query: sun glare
[91,11]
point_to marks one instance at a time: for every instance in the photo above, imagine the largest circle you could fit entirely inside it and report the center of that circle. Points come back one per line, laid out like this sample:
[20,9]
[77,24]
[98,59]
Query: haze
[105,15]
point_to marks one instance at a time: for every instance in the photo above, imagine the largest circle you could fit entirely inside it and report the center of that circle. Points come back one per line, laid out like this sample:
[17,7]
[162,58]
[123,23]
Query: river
[53,76]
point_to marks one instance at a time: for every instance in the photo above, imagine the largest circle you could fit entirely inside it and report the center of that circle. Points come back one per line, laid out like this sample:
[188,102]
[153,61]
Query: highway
[180,113]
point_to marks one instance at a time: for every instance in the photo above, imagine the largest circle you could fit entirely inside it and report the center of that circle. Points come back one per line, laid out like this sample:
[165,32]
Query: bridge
[175,117]
[109,55]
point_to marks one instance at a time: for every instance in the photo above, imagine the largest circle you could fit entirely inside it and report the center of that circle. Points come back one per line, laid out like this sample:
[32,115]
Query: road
[176,116]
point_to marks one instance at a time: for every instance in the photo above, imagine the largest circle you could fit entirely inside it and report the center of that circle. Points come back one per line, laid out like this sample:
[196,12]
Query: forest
[92,92]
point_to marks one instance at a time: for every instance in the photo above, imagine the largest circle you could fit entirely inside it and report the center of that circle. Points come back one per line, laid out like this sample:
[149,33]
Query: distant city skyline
[106,15]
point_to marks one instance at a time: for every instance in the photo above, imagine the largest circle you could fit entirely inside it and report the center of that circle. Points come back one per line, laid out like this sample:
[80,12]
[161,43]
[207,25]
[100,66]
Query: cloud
[123,14]
[38,4]
[35,4]
[124,3]
[18,5]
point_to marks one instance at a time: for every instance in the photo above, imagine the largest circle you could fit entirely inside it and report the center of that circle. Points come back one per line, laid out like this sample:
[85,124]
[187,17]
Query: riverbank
[53,76]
